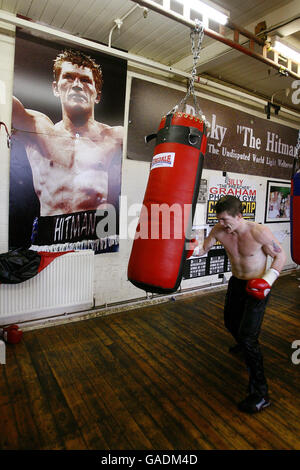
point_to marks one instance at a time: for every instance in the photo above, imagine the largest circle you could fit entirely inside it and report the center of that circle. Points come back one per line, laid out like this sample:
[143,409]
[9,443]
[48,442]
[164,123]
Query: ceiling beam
[69,38]
[283,21]
[43,30]
[219,37]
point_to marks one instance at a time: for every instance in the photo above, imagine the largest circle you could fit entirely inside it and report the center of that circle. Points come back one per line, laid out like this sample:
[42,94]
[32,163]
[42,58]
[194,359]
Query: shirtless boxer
[248,245]
[69,159]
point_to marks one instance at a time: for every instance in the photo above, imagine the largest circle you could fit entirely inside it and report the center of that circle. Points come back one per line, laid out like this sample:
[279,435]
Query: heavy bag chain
[196,35]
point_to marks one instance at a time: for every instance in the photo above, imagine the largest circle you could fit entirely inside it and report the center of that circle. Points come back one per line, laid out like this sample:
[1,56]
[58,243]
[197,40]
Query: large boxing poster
[237,141]
[66,152]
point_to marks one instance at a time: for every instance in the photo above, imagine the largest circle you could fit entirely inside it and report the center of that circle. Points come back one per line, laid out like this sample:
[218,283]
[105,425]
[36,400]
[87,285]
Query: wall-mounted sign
[237,141]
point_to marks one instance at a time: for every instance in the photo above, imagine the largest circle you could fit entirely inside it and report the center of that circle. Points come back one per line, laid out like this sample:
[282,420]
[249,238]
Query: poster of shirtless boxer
[66,149]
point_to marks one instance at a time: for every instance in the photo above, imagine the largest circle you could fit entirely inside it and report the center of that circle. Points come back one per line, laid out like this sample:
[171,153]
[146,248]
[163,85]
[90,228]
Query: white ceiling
[168,42]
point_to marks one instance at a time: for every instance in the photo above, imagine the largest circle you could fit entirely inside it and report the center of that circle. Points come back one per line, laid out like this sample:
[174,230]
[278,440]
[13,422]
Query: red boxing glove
[258,288]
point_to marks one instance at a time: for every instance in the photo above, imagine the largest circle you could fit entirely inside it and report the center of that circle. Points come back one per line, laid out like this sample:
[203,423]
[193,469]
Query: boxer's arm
[200,249]
[115,135]
[21,118]
[272,247]
[259,288]
[210,240]
[28,120]
[118,132]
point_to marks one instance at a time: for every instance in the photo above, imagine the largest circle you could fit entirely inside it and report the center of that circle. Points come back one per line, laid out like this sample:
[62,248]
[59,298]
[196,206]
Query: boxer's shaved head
[82,60]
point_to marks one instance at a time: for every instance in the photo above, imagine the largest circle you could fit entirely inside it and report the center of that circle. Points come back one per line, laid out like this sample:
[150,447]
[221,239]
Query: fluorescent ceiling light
[286,51]
[206,10]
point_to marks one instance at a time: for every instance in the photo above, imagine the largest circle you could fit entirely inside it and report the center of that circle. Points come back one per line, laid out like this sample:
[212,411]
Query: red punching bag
[295,209]
[159,249]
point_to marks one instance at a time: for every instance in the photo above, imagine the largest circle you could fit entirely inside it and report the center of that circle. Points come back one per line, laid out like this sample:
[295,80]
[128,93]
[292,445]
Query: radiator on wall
[65,285]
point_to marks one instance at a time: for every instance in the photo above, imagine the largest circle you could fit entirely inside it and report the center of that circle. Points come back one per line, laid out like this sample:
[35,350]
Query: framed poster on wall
[65,175]
[278,202]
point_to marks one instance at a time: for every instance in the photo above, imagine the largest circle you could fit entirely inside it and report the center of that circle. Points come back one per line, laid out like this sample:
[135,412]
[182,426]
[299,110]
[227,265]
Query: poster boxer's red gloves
[260,288]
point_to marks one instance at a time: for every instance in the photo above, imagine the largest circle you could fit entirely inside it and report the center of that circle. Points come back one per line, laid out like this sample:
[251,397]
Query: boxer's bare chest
[75,154]
[246,255]
[70,174]
[240,245]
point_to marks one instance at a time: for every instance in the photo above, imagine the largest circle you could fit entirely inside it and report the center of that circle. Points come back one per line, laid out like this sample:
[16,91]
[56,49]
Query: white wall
[111,284]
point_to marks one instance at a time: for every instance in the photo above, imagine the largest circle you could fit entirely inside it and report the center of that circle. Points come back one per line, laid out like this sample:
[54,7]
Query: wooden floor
[155,378]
